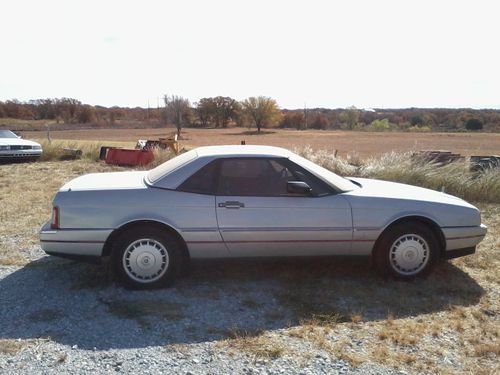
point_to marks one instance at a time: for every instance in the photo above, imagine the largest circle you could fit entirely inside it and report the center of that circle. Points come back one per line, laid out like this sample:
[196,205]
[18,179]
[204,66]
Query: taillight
[54,224]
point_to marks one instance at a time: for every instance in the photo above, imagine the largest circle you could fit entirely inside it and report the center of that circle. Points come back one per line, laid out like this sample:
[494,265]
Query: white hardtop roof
[249,150]
[173,172]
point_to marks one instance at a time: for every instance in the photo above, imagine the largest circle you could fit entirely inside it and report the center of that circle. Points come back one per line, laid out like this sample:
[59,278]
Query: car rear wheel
[406,251]
[146,258]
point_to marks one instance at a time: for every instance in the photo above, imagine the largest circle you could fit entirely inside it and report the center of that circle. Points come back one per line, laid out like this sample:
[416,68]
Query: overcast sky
[382,54]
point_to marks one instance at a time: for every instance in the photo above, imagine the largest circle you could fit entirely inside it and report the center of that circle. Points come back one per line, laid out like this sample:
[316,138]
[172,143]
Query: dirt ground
[362,144]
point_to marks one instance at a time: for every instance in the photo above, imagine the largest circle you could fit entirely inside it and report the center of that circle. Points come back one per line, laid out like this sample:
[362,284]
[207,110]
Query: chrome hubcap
[409,254]
[145,260]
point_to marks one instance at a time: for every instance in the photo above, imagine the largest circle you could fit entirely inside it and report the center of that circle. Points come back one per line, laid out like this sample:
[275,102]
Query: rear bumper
[73,243]
[459,238]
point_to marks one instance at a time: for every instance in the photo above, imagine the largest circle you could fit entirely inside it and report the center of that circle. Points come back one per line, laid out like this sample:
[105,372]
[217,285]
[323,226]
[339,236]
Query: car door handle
[231,204]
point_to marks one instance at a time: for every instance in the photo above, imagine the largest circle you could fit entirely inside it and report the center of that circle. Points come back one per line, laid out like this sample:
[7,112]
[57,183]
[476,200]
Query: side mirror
[298,187]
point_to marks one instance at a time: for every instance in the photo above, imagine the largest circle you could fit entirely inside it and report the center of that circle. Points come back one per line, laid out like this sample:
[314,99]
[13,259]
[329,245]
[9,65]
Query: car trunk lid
[107,181]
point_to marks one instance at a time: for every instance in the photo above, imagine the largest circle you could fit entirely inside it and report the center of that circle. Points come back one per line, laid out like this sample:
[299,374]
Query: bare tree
[177,111]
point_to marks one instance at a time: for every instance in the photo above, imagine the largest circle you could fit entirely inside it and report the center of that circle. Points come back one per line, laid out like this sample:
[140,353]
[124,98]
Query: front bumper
[73,242]
[463,237]
[19,154]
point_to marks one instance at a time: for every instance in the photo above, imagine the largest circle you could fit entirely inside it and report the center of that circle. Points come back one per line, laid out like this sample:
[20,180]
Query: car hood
[17,142]
[393,190]
[107,181]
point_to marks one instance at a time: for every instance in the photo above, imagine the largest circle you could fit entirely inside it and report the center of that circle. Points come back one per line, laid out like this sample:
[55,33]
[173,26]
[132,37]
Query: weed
[254,342]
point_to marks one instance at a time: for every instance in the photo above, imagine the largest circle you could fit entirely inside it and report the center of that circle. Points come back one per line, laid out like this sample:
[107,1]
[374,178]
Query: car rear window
[171,165]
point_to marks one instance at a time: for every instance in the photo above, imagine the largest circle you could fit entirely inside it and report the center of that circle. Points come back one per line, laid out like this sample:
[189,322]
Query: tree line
[258,112]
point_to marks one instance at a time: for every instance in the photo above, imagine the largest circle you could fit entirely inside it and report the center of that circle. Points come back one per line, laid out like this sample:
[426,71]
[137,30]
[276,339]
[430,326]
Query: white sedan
[13,148]
[253,201]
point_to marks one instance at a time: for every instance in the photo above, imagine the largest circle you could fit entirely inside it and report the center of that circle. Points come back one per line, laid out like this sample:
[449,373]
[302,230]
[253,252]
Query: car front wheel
[146,258]
[406,251]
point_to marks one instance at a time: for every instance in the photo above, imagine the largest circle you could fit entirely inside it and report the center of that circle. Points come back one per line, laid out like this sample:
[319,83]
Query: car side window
[203,181]
[318,187]
[253,177]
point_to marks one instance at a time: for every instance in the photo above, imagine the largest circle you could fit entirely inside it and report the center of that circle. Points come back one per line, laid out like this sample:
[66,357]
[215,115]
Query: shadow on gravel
[78,304]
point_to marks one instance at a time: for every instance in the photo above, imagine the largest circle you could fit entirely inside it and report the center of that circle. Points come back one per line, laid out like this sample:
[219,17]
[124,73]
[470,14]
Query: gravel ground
[60,316]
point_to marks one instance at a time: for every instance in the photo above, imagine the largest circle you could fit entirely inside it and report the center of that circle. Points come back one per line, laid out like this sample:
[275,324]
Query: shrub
[380,125]
[473,124]
[416,120]
[419,129]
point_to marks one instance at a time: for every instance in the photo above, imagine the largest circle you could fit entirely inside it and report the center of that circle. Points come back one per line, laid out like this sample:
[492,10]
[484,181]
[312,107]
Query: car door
[257,216]
[200,229]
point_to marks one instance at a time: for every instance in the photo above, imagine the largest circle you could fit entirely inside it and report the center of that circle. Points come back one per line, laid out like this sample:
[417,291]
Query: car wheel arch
[431,224]
[108,245]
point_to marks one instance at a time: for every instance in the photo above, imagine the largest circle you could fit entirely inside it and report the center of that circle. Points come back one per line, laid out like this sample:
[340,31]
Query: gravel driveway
[60,316]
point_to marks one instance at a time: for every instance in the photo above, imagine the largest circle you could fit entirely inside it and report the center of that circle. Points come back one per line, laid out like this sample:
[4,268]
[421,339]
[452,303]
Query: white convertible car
[253,201]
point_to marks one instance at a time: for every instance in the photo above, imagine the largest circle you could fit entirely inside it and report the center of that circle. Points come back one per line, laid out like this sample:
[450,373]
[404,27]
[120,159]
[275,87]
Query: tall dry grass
[454,178]
[55,150]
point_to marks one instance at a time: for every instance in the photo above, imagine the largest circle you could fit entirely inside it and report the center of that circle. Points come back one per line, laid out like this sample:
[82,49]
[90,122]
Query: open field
[232,317]
[363,144]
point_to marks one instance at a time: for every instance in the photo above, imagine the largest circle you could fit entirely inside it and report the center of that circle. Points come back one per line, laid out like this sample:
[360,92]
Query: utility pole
[305,115]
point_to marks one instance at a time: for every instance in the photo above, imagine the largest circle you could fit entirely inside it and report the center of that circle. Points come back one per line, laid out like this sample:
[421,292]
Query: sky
[332,54]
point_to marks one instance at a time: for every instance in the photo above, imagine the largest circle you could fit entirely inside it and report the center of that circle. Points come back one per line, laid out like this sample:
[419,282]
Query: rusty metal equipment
[130,157]
[482,163]
[170,142]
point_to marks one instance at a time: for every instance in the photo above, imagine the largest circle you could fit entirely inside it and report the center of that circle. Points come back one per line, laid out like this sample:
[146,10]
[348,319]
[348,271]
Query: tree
[293,119]
[262,110]
[319,121]
[225,110]
[177,111]
[219,110]
[416,120]
[204,111]
[352,117]
[85,114]
[473,124]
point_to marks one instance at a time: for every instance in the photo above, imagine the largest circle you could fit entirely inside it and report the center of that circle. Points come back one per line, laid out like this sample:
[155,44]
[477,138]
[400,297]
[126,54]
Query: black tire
[146,258]
[406,250]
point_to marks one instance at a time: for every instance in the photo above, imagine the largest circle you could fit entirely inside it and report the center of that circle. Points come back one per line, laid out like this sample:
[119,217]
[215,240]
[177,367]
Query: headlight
[37,147]
[4,148]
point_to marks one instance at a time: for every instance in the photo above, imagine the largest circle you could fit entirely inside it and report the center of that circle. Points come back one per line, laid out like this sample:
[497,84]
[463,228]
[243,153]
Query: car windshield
[340,183]
[7,134]
[169,166]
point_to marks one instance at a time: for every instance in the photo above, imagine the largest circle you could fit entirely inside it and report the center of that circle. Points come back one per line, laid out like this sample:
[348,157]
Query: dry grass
[455,178]
[54,150]
[253,342]
[12,347]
